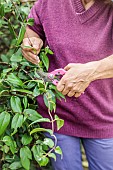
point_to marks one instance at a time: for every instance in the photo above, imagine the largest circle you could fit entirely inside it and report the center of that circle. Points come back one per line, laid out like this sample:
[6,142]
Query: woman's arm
[105,69]
[79,76]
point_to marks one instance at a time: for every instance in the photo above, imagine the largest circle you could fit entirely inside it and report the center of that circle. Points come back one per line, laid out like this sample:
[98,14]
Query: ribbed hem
[85,15]
[83,131]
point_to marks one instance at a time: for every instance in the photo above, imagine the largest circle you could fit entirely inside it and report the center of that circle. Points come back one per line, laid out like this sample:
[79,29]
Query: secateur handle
[54,73]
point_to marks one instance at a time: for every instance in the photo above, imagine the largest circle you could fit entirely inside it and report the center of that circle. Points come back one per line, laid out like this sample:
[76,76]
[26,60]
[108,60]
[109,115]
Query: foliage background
[22,143]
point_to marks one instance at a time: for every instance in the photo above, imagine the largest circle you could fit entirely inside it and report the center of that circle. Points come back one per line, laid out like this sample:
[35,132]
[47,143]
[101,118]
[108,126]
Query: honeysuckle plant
[22,142]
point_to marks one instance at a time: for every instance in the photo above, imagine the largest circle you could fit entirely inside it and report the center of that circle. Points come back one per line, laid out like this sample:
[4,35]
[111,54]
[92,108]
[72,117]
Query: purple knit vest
[78,36]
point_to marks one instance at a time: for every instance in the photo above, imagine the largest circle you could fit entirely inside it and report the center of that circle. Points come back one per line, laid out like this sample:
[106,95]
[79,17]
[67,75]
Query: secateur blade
[53,76]
[43,76]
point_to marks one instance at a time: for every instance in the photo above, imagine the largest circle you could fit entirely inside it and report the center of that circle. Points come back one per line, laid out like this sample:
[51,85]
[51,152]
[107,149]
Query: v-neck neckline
[83,14]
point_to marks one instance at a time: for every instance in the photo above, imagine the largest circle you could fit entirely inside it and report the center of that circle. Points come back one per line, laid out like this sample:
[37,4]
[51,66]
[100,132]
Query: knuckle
[63,80]
[75,88]
[64,92]
[69,86]
[59,88]
[69,64]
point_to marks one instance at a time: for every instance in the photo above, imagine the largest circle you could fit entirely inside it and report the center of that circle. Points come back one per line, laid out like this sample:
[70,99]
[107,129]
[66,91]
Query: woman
[80,33]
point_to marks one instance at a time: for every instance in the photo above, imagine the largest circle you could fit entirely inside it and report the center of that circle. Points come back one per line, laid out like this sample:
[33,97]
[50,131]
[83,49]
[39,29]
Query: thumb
[68,66]
[37,43]
[36,46]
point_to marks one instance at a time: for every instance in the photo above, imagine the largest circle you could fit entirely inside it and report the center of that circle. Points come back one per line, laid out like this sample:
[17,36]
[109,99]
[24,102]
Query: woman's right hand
[31,48]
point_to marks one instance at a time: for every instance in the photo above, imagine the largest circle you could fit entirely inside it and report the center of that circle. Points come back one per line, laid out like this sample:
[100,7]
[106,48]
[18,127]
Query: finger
[83,87]
[28,58]
[77,87]
[78,95]
[32,44]
[26,45]
[37,44]
[69,66]
[71,93]
[60,86]
[67,88]
[31,57]
[30,49]
[65,91]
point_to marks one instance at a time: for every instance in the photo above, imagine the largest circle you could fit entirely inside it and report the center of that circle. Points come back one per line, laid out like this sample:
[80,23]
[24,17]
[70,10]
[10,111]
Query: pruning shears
[53,76]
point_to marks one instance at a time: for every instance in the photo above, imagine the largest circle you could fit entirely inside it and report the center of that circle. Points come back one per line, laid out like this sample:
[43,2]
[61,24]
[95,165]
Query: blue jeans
[99,153]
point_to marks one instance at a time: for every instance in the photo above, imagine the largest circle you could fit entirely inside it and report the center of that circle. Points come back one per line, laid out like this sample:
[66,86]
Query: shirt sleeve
[35,13]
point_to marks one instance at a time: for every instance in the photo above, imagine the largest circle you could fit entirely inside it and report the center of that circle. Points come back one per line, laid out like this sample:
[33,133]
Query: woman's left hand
[77,78]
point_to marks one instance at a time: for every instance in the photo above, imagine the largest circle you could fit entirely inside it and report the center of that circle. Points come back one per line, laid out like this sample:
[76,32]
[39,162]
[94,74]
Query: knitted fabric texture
[76,35]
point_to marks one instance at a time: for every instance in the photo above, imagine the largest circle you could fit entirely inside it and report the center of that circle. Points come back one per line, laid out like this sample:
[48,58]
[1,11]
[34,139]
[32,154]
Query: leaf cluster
[22,142]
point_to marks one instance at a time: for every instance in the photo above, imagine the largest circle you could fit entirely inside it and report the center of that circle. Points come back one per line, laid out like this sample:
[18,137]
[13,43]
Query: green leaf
[21,35]
[32,114]
[50,100]
[9,142]
[22,91]
[31,84]
[41,130]
[4,58]
[4,92]
[22,75]
[52,155]
[14,66]
[1,33]
[5,71]
[43,161]
[60,95]
[25,102]
[30,21]
[25,162]
[16,104]
[13,79]
[17,57]
[58,150]
[5,148]
[25,9]
[2,13]
[49,142]
[11,29]
[26,139]
[40,120]
[25,156]
[28,152]
[60,122]
[45,60]
[4,121]
[15,165]
[37,152]
[38,155]
[48,51]
[17,122]
[36,91]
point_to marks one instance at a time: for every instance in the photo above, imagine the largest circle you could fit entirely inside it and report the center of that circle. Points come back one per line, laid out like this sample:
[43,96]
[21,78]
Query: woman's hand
[31,48]
[77,78]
